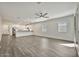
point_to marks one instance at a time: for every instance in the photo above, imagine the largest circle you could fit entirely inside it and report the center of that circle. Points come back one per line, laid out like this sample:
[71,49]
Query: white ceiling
[23,12]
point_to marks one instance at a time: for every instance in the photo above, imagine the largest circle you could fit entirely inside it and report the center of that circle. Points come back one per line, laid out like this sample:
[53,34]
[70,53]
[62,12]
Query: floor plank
[34,46]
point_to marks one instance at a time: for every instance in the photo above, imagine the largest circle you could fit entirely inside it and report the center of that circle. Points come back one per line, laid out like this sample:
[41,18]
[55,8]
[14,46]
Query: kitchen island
[23,33]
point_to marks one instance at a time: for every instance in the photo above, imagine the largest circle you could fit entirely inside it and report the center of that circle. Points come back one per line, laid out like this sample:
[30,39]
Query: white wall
[0,28]
[51,28]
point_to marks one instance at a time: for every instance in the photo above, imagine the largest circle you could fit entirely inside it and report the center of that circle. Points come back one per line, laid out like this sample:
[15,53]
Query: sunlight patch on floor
[69,45]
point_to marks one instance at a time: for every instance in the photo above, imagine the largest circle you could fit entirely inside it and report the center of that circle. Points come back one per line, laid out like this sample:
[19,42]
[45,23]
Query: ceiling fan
[41,15]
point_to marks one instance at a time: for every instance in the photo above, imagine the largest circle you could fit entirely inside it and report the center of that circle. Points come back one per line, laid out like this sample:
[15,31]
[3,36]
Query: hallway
[35,46]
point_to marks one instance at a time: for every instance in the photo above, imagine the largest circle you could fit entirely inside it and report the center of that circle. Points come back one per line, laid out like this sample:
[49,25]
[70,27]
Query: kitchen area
[18,30]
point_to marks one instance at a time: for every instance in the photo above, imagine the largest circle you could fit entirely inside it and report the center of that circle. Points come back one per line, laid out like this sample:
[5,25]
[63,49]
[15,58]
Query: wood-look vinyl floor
[34,46]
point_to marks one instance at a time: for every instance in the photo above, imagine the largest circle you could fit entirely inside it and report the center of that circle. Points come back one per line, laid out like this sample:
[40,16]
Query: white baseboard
[55,38]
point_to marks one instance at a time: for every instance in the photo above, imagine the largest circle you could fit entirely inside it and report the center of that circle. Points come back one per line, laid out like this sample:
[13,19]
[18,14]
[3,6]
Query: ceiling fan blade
[37,14]
[45,14]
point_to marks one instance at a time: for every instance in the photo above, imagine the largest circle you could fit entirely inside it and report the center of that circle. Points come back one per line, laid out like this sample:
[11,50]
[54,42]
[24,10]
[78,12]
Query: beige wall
[51,28]
[0,28]
[5,29]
